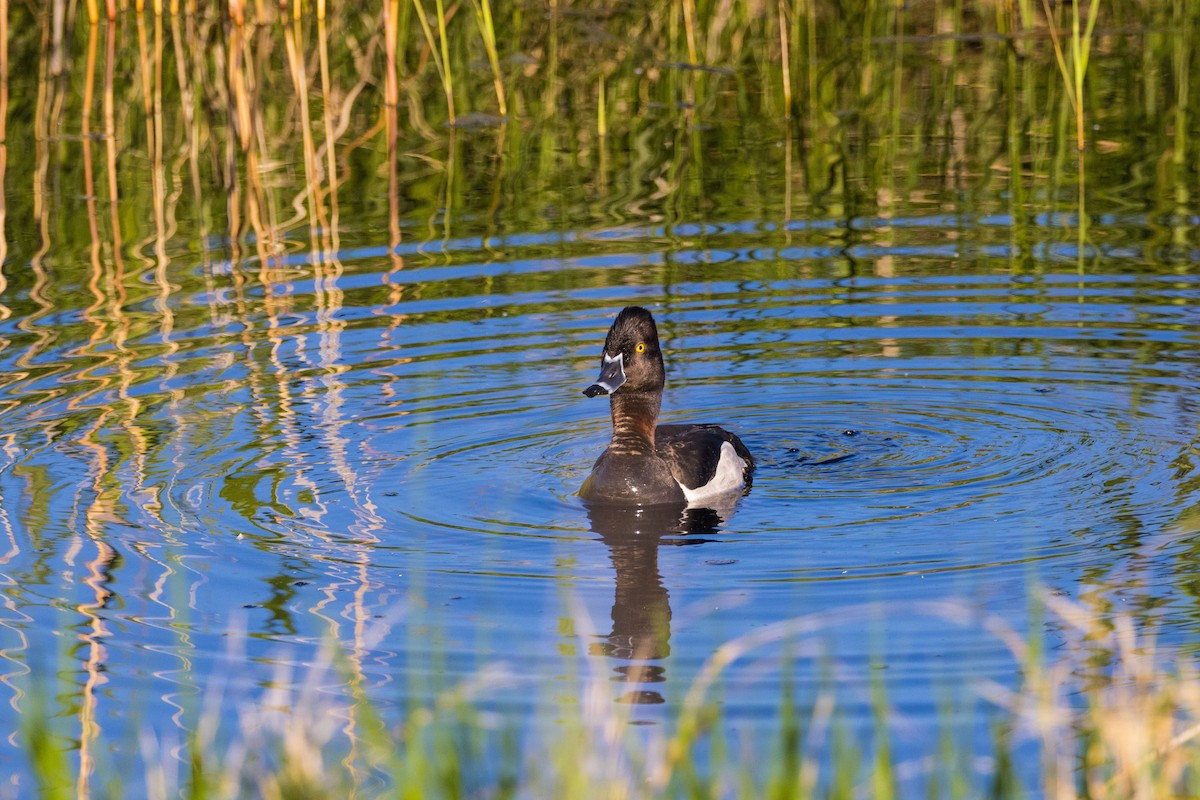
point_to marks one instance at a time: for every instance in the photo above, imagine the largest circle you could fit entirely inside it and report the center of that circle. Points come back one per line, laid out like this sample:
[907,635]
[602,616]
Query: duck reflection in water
[653,485]
[641,611]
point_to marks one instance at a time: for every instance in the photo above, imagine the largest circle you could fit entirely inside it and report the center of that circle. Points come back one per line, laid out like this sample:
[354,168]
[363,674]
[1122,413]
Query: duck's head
[632,360]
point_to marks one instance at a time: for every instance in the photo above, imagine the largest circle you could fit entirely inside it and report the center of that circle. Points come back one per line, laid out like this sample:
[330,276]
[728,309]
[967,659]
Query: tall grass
[899,113]
[1106,722]
[1073,65]
[487,31]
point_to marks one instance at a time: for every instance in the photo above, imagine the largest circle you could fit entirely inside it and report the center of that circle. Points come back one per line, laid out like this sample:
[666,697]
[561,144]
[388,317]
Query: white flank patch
[727,478]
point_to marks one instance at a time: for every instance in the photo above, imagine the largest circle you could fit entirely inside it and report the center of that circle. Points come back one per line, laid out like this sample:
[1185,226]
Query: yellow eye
[641,347]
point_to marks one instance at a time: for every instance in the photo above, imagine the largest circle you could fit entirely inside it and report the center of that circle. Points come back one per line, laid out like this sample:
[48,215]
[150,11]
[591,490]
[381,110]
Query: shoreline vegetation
[1114,718]
[439,102]
[130,112]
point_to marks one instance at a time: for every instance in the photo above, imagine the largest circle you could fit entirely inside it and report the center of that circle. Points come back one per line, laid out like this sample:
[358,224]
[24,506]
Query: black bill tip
[594,390]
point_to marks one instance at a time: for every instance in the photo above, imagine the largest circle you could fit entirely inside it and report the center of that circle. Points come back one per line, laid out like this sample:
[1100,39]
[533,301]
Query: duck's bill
[612,376]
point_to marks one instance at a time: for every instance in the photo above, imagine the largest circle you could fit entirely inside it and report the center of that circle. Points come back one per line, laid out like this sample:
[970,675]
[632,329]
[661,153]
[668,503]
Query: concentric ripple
[914,402]
[401,448]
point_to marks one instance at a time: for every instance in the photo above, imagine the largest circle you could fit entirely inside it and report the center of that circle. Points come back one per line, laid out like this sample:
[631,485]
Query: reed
[487,30]
[4,310]
[223,110]
[1073,67]
[440,52]
[772,65]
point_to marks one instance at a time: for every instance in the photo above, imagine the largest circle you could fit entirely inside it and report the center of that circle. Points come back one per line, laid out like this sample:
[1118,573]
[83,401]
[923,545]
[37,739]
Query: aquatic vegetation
[566,94]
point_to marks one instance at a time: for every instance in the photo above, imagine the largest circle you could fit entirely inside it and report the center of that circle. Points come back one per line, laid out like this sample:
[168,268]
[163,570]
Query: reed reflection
[641,613]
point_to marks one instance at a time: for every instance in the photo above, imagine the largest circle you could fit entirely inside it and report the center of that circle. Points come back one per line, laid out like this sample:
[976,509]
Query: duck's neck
[634,417]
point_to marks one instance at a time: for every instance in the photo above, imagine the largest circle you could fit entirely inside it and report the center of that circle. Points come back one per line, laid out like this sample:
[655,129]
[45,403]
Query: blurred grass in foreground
[1115,726]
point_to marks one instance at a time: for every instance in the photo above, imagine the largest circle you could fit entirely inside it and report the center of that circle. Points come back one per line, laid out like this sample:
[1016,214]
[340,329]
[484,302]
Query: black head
[632,360]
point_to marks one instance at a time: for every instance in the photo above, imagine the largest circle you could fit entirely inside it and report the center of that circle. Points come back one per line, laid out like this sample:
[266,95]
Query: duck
[646,463]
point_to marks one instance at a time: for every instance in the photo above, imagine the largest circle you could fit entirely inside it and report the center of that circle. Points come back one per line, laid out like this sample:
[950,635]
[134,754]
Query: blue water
[385,456]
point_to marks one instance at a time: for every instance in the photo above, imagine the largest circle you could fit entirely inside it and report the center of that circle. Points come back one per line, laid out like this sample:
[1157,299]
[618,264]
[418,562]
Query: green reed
[487,31]
[919,99]
[1074,65]
[440,49]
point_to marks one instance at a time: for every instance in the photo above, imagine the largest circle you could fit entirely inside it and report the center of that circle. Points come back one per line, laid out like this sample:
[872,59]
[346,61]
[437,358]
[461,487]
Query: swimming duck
[646,463]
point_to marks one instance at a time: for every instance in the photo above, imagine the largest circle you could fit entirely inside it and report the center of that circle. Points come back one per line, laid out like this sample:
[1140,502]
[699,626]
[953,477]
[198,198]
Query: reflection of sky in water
[398,473]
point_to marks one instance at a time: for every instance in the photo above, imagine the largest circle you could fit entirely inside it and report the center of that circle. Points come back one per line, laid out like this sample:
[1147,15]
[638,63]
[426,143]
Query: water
[401,475]
[212,463]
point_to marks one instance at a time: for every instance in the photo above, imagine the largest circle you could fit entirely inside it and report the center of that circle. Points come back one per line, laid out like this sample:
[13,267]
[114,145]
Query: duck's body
[646,463]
